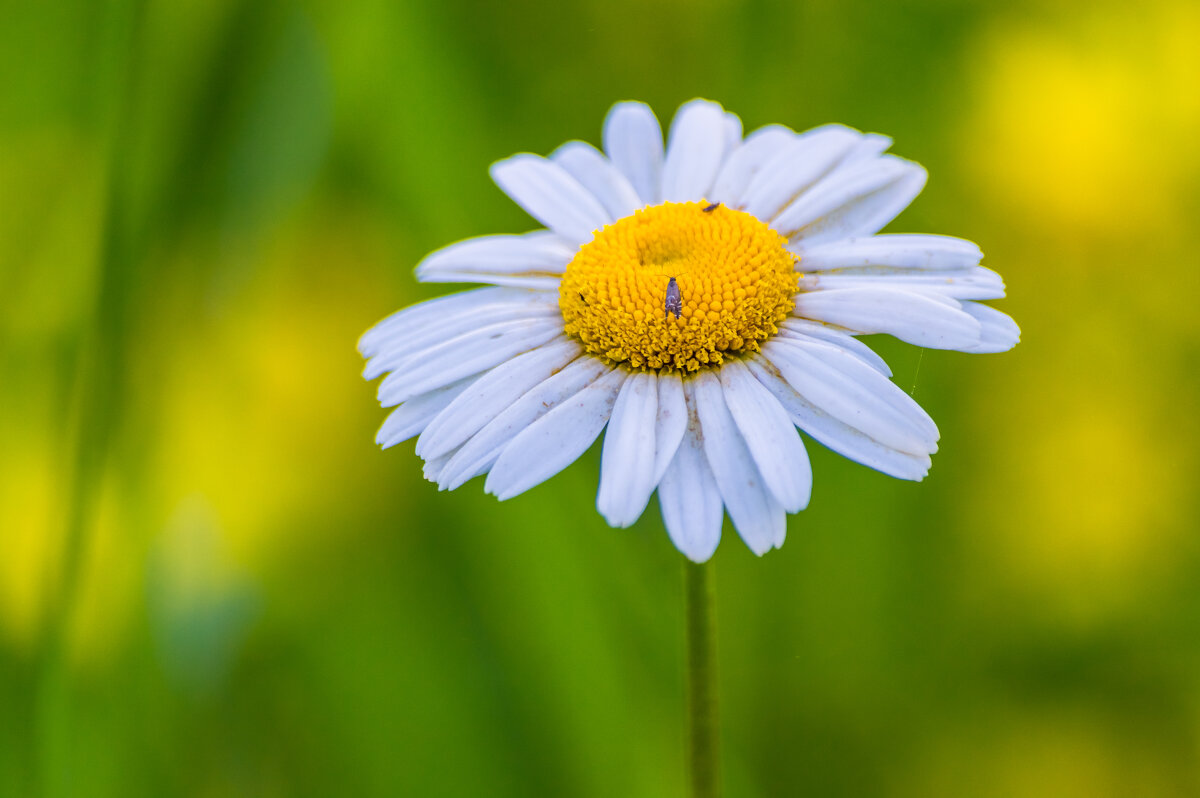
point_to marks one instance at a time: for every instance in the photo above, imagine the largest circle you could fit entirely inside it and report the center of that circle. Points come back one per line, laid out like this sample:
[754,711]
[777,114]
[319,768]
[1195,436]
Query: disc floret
[736,282]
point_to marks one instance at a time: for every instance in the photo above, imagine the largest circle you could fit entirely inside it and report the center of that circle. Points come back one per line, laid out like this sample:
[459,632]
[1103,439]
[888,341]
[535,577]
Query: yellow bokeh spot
[736,283]
[1073,132]
[31,519]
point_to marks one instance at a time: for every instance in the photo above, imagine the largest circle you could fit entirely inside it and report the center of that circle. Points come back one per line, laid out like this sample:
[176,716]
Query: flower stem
[704,772]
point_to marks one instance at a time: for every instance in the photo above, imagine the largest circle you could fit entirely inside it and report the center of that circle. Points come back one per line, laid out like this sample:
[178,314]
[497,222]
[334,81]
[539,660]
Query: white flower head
[696,305]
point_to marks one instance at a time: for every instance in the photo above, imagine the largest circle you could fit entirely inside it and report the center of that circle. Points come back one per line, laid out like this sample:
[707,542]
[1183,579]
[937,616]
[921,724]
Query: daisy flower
[697,305]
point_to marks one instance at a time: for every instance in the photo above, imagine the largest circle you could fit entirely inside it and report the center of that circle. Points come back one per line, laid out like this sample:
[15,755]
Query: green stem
[704,771]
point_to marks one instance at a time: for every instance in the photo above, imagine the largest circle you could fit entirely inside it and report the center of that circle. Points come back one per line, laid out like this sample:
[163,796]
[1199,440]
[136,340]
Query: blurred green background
[212,583]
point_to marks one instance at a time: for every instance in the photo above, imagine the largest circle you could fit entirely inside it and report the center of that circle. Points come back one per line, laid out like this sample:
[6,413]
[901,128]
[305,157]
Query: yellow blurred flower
[1089,127]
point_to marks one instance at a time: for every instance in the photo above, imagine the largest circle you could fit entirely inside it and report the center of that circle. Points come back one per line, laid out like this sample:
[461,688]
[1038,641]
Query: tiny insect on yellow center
[733,284]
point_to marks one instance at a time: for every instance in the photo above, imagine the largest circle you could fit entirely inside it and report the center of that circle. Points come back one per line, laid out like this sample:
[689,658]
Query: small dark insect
[583,299]
[712,207]
[674,303]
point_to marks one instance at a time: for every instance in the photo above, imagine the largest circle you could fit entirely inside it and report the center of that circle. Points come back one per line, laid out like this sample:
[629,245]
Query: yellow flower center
[735,283]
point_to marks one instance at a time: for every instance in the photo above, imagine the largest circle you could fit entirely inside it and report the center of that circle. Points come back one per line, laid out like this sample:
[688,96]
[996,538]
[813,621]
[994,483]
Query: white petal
[689,498]
[917,318]
[411,417]
[834,434]
[868,147]
[807,330]
[433,468]
[533,282]
[405,322]
[975,282]
[627,461]
[770,436]
[634,143]
[757,515]
[903,251]
[796,168]
[478,454]
[745,162]
[856,201]
[397,351]
[492,395]
[1000,333]
[847,389]
[694,152]
[551,196]
[598,175]
[733,133]
[469,353]
[671,423]
[555,440]
[539,254]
